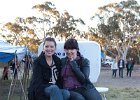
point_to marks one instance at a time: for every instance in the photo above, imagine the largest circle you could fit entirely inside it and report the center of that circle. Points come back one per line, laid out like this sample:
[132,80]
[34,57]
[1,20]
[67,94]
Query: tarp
[89,49]
[102,55]
[8,51]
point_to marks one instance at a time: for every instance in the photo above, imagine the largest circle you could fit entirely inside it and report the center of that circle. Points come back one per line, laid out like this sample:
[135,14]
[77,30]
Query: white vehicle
[107,62]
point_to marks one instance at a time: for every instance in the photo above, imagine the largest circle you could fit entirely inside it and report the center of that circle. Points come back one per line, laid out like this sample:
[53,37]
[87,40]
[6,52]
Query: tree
[13,34]
[119,24]
[136,47]
[47,19]
[18,33]
[54,23]
[50,22]
[66,26]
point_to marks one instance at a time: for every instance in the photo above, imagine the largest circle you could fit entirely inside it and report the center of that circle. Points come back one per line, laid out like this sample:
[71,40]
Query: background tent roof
[5,57]
[8,51]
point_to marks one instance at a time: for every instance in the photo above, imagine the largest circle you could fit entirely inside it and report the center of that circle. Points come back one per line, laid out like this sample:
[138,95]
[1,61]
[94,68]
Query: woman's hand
[71,54]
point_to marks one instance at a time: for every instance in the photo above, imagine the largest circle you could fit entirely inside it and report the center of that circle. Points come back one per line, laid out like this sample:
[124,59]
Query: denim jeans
[55,93]
[121,72]
[86,94]
[76,96]
[114,71]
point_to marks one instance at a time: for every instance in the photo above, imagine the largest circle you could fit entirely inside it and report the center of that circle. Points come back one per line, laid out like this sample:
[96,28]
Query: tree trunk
[123,52]
[138,55]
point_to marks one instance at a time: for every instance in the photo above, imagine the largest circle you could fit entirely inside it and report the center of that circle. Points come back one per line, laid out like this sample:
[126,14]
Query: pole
[14,79]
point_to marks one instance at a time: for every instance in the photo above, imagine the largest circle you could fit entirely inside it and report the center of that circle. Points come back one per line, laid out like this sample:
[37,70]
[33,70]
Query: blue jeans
[121,72]
[55,93]
[76,96]
[86,94]
[114,71]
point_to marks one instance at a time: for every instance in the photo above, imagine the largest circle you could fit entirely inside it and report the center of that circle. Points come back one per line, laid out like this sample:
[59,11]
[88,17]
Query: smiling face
[49,48]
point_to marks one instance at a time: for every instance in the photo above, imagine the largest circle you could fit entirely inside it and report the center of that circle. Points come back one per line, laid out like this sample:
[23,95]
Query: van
[107,62]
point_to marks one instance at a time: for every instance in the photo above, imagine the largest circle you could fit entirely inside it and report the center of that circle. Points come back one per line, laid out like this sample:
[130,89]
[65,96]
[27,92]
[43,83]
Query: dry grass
[112,94]
[123,94]
[16,93]
[119,89]
[126,88]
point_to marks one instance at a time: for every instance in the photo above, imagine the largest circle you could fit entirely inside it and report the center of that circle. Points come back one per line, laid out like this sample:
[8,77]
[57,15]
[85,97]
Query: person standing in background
[129,65]
[5,73]
[15,66]
[121,65]
[114,67]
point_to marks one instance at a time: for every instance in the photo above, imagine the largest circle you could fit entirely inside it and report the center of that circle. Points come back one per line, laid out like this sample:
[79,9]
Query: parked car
[108,62]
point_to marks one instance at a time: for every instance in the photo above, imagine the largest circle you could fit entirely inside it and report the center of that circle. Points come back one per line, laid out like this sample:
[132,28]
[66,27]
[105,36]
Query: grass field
[112,94]
[119,88]
[123,94]
[16,90]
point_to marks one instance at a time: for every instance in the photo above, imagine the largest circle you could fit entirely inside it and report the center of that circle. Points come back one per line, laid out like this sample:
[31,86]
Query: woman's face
[71,54]
[49,48]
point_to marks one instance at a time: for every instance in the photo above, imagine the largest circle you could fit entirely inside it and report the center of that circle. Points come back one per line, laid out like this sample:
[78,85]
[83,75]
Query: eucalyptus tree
[47,19]
[12,32]
[136,46]
[67,26]
[29,37]
[119,23]
[138,50]
[51,22]
[18,33]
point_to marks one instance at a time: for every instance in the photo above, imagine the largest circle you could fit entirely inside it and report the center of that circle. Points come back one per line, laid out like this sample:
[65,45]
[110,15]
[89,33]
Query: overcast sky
[10,9]
[85,9]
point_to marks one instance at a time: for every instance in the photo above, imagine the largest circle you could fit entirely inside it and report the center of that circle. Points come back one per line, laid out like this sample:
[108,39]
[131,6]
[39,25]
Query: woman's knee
[76,96]
[79,98]
[66,94]
[52,88]
[92,94]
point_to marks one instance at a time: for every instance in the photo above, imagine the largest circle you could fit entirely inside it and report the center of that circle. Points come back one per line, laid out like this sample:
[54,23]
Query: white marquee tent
[8,51]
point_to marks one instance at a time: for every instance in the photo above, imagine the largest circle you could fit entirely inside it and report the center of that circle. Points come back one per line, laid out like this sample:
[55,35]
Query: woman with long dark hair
[46,81]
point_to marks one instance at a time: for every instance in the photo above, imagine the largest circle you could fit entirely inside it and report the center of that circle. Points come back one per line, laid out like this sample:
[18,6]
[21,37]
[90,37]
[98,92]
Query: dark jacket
[123,63]
[130,65]
[41,77]
[81,70]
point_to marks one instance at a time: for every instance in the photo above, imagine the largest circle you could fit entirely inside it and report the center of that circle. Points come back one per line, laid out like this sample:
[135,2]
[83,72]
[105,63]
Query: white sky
[10,9]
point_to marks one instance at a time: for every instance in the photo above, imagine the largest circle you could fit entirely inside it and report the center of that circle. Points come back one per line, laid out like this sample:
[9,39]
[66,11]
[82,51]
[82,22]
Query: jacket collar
[42,60]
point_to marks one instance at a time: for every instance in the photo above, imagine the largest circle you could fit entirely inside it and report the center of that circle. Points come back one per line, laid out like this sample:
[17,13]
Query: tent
[8,51]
